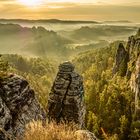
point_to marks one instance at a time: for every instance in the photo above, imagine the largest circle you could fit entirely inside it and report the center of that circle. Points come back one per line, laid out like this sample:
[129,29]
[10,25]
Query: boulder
[18,105]
[85,135]
[66,100]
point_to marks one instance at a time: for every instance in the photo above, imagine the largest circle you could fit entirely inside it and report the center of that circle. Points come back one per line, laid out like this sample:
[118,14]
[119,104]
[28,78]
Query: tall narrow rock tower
[66,100]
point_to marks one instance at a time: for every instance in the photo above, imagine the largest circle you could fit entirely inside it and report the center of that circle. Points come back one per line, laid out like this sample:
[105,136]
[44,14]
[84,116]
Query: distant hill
[118,21]
[48,21]
[102,32]
[35,41]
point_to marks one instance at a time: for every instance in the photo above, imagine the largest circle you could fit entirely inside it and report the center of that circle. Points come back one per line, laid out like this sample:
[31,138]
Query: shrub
[52,131]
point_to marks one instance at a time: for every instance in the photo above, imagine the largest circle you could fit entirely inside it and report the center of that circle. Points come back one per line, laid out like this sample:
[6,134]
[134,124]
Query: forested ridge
[110,102]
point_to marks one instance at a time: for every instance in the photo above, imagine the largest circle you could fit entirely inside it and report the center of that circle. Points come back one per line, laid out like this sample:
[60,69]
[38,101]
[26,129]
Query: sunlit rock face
[66,100]
[135,86]
[18,106]
[128,63]
[133,46]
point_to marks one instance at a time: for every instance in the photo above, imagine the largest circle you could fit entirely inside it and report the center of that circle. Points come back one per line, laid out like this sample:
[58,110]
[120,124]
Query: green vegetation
[3,67]
[109,99]
[40,73]
[101,32]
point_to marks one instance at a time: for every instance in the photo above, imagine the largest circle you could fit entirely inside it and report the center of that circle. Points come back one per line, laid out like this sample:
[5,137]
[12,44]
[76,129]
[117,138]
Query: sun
[31,3]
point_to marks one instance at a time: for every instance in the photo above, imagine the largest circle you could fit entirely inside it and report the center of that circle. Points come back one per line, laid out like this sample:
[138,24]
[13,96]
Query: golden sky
[71,9]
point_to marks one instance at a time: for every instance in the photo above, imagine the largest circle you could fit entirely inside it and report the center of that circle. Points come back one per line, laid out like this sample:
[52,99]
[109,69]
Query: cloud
[71,11]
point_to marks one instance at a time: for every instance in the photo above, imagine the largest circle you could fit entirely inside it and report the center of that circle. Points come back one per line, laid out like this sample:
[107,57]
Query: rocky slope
[128,64]
[18,106]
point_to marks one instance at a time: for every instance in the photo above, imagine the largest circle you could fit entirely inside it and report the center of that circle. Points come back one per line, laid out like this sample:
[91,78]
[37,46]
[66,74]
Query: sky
[99,10]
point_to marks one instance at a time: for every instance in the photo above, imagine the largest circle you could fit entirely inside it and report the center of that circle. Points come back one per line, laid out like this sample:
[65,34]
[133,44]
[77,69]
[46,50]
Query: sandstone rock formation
[18,106]
[133,46]
[126,57]
[85,135]
[135,86]
[66,101]
[129,60]
[121,61]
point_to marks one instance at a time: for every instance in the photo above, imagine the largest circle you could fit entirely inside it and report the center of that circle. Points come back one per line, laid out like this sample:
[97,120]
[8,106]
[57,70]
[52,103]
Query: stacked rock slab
[18,106]
[66,100]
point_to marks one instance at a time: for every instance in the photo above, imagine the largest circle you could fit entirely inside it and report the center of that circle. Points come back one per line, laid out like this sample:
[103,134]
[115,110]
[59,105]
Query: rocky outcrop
[121,61]
[66,100]
[133,46]
[126,56]
[128,63]
[18,106]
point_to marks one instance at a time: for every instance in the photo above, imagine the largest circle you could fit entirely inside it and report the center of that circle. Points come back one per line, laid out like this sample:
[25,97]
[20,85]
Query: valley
[105,54]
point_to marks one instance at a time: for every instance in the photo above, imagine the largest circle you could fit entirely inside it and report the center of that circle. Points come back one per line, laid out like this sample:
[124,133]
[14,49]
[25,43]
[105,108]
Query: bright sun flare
[30,3]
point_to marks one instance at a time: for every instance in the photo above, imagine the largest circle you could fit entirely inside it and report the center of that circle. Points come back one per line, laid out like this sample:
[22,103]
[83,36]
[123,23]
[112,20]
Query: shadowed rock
[18,105]
[122,58]
[66,100]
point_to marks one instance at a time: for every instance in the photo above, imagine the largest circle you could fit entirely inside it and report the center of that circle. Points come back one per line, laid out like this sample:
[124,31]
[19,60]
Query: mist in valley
[60,40]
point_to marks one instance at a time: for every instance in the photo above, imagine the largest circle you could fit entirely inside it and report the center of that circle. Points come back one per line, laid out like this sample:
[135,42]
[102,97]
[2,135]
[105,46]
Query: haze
[71,9]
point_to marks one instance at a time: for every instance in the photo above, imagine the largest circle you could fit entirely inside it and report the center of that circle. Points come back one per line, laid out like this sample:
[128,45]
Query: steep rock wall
[66,101]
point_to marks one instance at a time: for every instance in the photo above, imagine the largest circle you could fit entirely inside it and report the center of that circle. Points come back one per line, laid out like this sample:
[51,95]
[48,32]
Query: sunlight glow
[31,3]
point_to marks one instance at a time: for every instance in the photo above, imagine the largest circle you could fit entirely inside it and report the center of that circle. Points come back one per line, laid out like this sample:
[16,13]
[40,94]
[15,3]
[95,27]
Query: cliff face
[18,106]
[126,56]
[66,100]
[135,86]
[131,66]
[133,46]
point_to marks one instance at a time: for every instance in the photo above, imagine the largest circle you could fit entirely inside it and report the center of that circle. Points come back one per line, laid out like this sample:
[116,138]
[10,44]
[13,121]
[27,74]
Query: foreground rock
[85,135]
[18,106]
[66,101]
